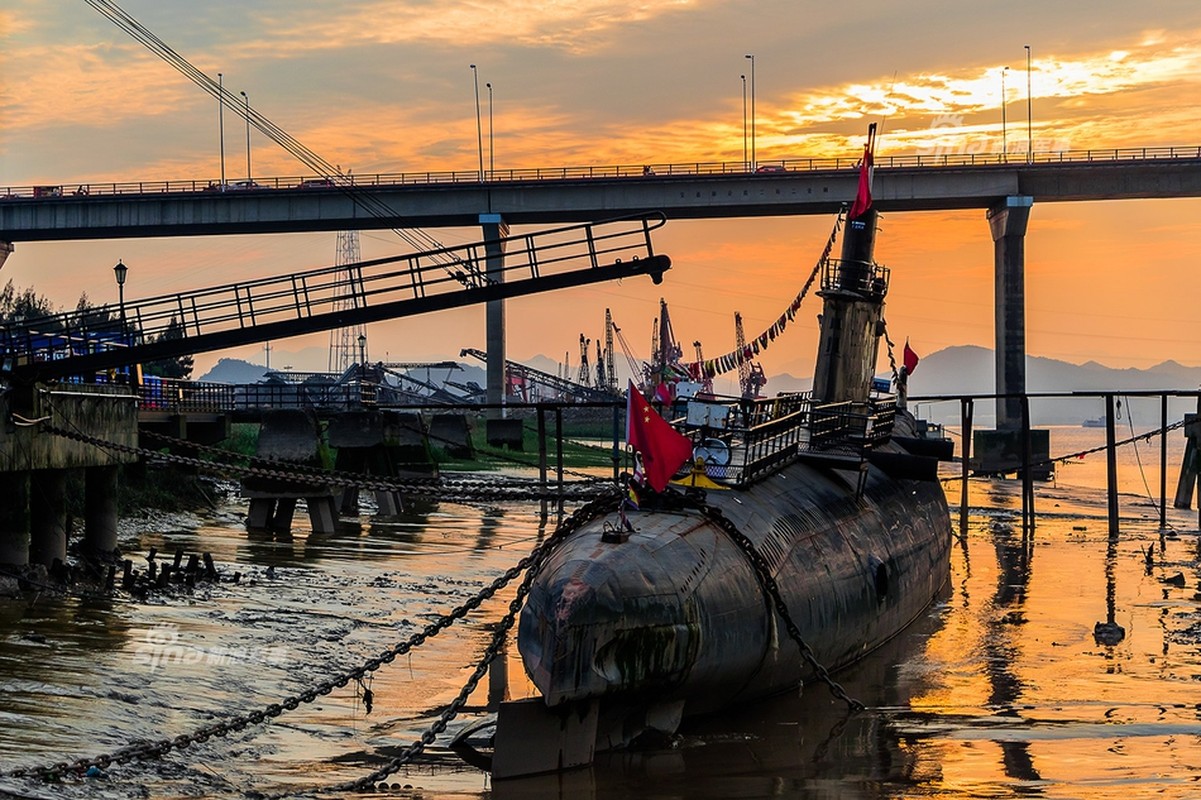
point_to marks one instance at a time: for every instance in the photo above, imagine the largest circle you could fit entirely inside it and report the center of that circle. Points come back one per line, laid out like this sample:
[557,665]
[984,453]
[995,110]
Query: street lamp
[362,353]
[753,157]
[1029,116]
[491,152]
[745,163]
[1004,138]
[246,101]
[221,125]
[479,126]
[120,271]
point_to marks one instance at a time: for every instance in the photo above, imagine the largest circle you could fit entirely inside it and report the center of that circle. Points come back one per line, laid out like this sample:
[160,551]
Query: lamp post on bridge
[491,151]
[246,106]
[479,126]
[120,271]
[1029,116]
[362,356]
[221,125]
[745,163]
[753,156]
[1004,138]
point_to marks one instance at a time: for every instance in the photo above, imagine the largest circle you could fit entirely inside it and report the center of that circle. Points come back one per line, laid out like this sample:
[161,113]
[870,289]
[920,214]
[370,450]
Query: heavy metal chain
[581,517]
[437,489]
[157,749]
[772,590]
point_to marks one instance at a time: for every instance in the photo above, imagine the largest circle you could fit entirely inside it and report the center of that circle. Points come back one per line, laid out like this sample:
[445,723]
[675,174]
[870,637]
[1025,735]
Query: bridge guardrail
[68,192]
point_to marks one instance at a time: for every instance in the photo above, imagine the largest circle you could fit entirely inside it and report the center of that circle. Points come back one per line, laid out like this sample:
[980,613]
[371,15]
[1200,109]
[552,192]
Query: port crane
[750,374]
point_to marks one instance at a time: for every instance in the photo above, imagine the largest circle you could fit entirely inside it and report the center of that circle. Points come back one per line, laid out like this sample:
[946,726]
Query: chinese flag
[863,198]
[910,359]
[663,449]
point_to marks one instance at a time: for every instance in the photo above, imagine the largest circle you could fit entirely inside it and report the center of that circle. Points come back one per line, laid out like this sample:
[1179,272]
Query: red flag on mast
[910,359]
[863,198]
[663,449]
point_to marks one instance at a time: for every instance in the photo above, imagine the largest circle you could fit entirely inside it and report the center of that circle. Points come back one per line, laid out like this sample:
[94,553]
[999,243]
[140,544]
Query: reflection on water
[1000,691]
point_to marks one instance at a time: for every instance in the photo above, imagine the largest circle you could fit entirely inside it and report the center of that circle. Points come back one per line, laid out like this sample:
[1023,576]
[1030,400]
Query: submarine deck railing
[755,438]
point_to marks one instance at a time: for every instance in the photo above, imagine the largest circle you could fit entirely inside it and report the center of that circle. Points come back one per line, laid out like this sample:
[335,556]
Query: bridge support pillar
[289,435]
[100,509]
[48,516]
[495,230]
[1007,221]
[6,249]
[14,519]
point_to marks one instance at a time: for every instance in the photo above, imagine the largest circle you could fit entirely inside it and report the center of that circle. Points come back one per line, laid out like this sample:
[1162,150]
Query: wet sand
[1001,691]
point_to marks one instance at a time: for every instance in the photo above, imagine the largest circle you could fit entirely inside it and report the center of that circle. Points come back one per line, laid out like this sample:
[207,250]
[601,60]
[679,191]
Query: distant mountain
[234,370]
[972,370]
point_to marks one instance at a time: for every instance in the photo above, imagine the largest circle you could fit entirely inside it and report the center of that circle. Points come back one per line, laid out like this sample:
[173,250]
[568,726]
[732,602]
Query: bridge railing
[650,171]
[153,327]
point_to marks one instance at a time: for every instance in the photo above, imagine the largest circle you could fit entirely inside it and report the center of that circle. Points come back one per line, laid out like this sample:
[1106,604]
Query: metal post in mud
[616,433]
[1027,472]
[1163,461]
[1111,466]
[559,446]
[542,448]
[965,424]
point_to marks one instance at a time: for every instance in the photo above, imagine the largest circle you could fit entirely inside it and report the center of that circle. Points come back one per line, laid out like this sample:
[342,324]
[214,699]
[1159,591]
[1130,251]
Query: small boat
[810,532]
[1093,422]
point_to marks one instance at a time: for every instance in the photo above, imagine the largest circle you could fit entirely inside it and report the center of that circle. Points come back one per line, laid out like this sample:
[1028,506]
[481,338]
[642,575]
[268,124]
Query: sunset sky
[379,86]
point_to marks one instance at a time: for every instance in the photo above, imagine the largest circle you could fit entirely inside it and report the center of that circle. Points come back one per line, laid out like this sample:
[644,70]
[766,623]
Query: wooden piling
[966,407]
[1163,461]
[1111,466]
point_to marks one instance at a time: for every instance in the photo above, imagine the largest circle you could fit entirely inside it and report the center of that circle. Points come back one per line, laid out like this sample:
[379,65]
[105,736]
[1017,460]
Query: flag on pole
[910,359]
[863,198]
[662,448]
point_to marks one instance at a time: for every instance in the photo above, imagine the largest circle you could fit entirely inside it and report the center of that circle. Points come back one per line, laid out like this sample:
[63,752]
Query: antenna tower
[343,342]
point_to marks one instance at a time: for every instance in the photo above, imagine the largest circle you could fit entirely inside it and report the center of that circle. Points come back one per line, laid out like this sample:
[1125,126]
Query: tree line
[19,306]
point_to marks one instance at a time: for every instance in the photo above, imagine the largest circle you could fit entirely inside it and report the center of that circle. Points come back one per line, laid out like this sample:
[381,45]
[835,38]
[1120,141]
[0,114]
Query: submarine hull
[675,613]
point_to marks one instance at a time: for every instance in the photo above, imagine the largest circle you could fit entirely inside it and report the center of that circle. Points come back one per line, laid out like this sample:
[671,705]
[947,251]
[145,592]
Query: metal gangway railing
[742,440]
[249,312]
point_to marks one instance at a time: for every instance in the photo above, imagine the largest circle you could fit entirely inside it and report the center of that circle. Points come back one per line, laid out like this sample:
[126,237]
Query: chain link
[772,590]
[143,750]
[437,488]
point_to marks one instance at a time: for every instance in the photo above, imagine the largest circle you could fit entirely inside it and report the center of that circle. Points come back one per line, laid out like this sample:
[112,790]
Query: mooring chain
[772,589]
[143,750]
[578,519]
[892,358]
[1042,462]
[441,489]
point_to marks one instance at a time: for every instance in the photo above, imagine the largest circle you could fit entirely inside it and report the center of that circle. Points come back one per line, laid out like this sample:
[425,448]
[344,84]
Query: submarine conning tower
[853,290]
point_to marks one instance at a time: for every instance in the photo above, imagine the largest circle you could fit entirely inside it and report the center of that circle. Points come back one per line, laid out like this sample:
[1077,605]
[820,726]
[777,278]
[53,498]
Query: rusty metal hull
[675,613]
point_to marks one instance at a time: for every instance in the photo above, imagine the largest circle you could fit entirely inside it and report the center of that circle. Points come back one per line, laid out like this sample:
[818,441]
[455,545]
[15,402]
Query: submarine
[808,531]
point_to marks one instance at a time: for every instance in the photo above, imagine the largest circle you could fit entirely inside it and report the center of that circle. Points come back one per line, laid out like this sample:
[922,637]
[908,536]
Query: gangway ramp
[249,312]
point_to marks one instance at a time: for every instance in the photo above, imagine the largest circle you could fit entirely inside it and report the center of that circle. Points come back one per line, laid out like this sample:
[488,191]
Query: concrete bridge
[567,195]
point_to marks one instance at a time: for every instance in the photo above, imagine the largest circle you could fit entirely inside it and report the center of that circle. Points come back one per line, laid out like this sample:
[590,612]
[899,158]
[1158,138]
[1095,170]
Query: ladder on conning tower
[250,312]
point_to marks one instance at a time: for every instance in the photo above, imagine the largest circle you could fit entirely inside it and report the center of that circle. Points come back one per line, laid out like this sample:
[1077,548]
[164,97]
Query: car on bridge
[771,168]
[241,186]
[316,183]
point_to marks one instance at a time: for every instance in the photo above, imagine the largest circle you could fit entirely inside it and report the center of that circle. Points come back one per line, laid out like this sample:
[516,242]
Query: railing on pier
[653,171]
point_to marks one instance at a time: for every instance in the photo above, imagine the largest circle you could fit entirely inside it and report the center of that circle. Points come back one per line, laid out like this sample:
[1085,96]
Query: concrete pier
[495,230]
[292,437]
[1007,221]
[34,464]
[48,516]
[100,509]
[380,443]
[14,519]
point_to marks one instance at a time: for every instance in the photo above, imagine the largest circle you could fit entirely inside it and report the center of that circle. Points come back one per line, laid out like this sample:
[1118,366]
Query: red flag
[663,449]
[910,359]
[863,198]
